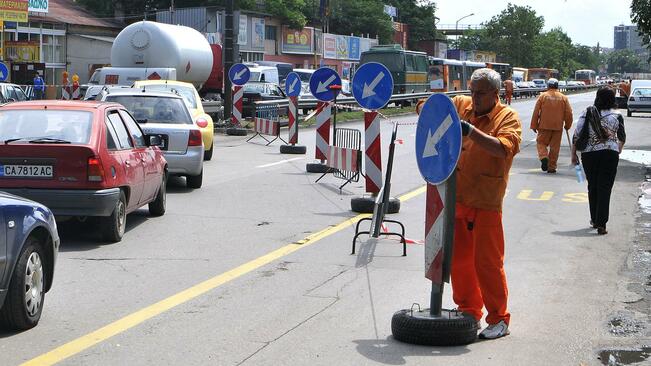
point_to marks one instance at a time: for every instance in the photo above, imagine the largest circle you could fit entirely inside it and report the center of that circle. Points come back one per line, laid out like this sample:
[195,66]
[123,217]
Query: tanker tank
[152,45]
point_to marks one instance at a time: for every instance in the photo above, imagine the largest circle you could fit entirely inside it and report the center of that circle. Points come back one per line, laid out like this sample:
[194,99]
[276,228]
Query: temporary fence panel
[348,139]
[267,122]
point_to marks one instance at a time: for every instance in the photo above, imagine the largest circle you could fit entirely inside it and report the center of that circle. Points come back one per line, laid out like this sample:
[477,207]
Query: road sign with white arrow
[321,83]
[293,85]
[372,85]
[4,72]
[438,139]
[239,74]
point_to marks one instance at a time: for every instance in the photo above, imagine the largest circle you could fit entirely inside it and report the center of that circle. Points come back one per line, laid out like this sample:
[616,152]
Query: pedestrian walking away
[492,136]
[39,86]
[551,114]
[508,90]
[600,136]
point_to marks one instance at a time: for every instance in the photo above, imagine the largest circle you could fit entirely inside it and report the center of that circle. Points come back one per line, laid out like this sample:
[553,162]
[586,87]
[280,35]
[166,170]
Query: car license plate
[646,99]
[26,171]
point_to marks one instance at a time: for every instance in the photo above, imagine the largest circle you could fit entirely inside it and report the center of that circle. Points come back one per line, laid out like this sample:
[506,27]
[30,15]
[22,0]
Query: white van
[267,74]
[128,75]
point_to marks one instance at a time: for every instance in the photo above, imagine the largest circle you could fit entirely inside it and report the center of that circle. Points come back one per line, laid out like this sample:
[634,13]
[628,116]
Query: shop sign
[39,6]
[298,41]
[14,10]
[329,46]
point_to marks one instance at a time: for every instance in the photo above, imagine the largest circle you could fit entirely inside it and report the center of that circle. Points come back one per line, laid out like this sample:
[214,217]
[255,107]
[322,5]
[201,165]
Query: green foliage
[419,15]
[624,61]
[641,15]
[360,17]
[291,12]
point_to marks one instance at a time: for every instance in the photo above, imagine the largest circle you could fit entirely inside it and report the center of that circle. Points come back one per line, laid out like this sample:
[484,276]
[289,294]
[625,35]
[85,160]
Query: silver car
[639,101]
[166,114]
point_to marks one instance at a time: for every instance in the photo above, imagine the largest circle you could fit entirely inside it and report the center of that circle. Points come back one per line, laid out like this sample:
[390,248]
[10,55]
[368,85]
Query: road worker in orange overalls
[492,136]
[551,113]
[508,90]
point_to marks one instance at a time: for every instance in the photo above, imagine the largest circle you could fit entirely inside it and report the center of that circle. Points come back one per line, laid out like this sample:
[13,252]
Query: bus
[587,76]
[505,70]
[451,75]
[408,68]
[520,74]
[542,73]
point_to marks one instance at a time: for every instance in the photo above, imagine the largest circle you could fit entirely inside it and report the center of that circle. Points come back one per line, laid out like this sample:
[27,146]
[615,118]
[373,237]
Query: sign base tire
[293,149]
[452,328]
[236,131]
[317,168]
[367,205]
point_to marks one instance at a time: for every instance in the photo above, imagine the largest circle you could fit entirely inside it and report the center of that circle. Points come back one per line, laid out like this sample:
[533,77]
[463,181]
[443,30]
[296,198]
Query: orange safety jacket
[481,177]
[508,86]
[552,111]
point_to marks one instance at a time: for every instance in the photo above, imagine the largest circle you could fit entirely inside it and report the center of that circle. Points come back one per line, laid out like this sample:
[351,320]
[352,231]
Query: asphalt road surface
[255,268]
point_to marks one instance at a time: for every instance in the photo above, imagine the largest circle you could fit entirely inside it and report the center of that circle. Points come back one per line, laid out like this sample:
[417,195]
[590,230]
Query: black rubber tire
[629,113]
[157,206]
[316,168]
[195,181]
[207,155]
[366,204]
[293,149]
[113,227]
[14,314]
[236,131]
[443,331]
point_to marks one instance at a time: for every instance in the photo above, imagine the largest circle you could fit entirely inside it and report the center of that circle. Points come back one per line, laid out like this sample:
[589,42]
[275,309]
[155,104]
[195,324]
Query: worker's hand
[575,159]
[466,128]
[567,128]
[534,130]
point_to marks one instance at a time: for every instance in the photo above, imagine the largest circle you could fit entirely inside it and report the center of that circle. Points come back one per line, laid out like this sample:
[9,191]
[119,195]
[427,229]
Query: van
[284,68]
[128,75]
[640,98]
[265,73]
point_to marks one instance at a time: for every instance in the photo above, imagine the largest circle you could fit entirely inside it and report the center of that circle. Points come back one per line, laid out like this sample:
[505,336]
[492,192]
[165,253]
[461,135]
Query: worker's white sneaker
[494,331]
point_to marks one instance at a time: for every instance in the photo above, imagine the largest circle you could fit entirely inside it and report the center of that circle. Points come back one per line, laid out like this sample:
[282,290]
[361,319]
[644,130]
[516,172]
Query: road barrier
[292,147]
[373,153]
[345,159]
[267,123]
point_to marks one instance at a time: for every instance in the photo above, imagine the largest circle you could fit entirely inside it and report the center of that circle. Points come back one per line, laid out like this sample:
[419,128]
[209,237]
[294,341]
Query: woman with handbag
[600,137]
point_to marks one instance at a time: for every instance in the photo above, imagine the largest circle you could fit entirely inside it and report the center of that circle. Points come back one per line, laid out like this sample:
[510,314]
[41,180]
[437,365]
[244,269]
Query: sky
[585,21]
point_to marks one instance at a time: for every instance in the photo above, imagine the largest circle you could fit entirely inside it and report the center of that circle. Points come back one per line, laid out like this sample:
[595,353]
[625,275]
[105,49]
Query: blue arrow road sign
[372,85]
[293,85]
[4,71]
[438,139]
[239,74]
[321,81]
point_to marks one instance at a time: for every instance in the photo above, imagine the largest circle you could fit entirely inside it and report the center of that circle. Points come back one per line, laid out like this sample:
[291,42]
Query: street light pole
[456,25]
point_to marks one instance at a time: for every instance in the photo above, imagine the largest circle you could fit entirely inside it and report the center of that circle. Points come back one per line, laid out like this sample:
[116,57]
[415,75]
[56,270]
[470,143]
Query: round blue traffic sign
[4,71]
[293,85]
[321,83]
[372,85]
[239,74]
[438,139]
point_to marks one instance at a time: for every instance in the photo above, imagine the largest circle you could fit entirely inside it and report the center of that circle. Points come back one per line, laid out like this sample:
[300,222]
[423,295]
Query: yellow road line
[86,341]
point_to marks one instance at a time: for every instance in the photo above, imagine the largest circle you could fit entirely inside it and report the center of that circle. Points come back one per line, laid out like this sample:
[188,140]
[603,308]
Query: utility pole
[228,60]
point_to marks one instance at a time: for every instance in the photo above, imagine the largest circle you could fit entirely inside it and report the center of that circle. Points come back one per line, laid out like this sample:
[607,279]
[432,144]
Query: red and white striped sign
[434,231]
[322,130]
[293,120]
[236,114]
[373,156]
[66,92]
[75,91]
[342,158]
[267,127]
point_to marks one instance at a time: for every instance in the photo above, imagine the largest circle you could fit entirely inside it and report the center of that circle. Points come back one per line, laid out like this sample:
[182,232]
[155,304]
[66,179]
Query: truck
[158,47]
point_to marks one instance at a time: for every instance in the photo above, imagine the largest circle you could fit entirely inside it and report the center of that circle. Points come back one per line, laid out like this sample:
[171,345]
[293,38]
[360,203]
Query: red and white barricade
[345,161]
[434,231]
[267,123]
[293,120]
[66,92]
[342,158]
[322,130]
[373,155]
[236,114]
[75,94]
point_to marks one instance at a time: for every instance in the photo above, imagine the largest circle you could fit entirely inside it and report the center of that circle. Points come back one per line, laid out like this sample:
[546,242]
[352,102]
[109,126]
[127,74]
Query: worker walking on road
[508,90]
[491,139]
[552,113]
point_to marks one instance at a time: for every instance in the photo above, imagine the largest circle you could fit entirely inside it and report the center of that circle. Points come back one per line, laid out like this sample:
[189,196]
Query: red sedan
[81,159]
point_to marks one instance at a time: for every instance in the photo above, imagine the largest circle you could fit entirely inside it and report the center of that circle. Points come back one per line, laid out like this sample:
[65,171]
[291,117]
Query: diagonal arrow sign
[238,75]
[293,85]
[322,85]
[433,139]
[369,88]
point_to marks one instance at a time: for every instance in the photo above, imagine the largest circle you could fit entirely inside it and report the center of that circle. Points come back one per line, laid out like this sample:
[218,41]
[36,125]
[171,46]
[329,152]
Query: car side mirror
[154,140]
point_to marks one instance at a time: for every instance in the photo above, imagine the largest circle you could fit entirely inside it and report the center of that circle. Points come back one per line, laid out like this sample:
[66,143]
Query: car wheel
[195,181]
[629,113]
[157,206]
[207,155]
[450,329]
[24,303]
[114,225]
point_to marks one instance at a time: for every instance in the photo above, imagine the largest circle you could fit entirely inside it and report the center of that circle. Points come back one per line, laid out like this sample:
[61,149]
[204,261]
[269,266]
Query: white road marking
[278,163]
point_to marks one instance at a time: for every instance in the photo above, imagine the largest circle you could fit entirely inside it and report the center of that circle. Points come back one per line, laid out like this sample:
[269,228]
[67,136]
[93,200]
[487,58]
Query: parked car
[81,159]
[540,83]
[191,96]
[29,244]
[259,91]
[166,114]
[267,74]
[639,101]
[284,69]
[11,93]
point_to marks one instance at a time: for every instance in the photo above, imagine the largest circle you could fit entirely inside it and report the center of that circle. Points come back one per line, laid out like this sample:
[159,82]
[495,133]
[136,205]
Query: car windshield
[645,92]
[185,91]
[154,108]
[43,125]
[255,88]
[255,76]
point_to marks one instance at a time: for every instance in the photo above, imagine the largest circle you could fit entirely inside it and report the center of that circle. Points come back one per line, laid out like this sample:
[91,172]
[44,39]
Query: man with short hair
[552,112]
[508,90]
[492,136]
[39,86]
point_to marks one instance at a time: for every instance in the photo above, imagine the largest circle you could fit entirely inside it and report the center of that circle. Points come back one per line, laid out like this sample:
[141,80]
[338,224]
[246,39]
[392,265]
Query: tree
[624,61]
[472,39]
[360,17]
[641,15]
[553,50]
[419,15]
